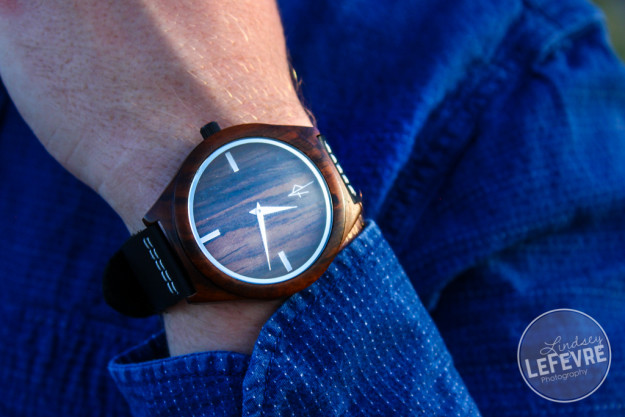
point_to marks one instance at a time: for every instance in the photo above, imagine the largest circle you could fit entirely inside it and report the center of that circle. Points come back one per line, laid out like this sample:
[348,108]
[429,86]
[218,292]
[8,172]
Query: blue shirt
[488,139]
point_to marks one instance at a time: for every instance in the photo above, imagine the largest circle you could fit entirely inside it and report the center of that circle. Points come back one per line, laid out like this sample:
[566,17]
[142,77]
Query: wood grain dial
[260,210]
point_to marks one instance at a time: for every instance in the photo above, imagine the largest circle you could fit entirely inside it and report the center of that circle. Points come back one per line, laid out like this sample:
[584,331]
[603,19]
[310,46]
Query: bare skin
[117,90]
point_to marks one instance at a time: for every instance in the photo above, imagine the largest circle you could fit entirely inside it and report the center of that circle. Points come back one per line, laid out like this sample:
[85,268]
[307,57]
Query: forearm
[143,77]
[117,92]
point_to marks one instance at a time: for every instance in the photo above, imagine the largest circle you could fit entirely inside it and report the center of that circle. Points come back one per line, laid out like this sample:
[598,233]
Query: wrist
[223,326]
[142,173]
[235,73]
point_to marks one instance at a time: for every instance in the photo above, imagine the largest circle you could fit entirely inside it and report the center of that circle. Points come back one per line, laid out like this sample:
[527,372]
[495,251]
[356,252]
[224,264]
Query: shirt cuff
[357,342]
[155,384]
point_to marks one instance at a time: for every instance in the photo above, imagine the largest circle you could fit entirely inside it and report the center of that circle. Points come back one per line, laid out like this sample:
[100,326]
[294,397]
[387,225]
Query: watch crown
[209,129]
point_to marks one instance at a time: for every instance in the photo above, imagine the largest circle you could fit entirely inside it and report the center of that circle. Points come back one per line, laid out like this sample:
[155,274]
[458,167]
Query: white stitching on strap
[159,265]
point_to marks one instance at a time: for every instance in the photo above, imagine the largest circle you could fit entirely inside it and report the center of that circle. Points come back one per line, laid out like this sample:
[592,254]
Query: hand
[117,90]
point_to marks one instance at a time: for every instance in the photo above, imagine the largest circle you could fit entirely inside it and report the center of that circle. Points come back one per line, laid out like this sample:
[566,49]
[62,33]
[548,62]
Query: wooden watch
[256,211]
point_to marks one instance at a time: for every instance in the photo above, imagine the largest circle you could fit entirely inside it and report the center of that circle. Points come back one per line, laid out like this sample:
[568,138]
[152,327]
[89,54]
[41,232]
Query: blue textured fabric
[314,357]
[488,138]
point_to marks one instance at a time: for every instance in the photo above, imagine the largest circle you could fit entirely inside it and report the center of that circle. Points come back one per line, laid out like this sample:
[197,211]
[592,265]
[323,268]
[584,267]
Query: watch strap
[144,277]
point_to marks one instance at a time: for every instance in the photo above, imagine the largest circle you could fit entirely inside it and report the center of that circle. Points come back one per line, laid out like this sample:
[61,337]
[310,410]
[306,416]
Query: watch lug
[354,220]
[162,210]
[207,292]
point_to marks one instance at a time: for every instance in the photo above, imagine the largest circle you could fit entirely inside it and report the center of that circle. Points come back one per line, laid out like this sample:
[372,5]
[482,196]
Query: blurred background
[615,14]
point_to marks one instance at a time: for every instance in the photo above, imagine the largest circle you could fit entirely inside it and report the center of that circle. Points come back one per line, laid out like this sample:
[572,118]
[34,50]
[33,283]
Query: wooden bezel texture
[212,284]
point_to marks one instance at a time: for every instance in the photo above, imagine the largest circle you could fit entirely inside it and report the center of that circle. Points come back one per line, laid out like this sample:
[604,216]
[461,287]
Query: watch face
[260,210]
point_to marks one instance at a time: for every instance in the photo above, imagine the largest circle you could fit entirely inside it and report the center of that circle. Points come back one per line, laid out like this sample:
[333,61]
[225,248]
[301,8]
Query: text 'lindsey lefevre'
[566,356]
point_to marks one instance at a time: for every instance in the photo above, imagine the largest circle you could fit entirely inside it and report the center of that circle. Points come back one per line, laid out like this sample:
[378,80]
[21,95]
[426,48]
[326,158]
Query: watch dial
[260,210]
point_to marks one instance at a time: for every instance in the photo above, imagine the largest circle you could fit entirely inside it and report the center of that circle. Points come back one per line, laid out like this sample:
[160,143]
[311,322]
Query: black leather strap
[144,277]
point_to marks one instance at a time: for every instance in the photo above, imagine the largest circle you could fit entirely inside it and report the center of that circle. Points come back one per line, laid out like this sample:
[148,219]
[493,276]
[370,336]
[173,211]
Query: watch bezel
[327,202]
[303,139]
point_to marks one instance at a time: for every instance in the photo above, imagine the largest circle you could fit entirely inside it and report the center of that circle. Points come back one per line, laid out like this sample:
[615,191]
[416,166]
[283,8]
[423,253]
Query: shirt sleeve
[357,342]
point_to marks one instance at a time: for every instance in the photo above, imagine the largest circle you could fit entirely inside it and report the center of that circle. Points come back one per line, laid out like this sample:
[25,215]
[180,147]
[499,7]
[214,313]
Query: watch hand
[271,210]
[259,212]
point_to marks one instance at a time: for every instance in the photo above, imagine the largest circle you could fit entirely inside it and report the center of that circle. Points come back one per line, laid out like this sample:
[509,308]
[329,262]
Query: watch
[255,212]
